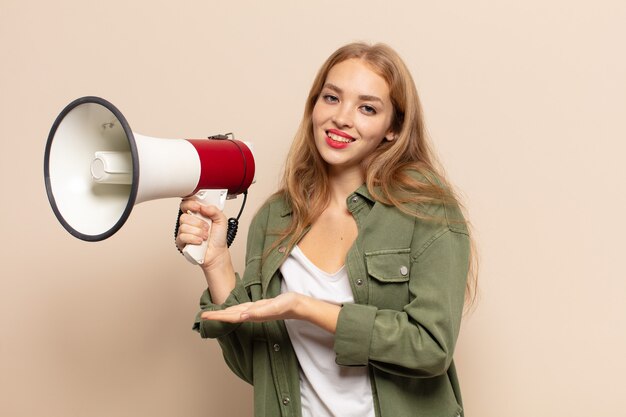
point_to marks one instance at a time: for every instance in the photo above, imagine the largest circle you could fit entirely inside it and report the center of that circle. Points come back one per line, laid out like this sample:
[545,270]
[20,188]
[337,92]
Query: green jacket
[408,278]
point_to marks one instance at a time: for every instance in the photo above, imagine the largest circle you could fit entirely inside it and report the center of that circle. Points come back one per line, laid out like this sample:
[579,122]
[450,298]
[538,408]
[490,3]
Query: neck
[343,183]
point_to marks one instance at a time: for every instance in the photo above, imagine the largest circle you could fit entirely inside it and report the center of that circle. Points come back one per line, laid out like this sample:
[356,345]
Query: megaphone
[96,169]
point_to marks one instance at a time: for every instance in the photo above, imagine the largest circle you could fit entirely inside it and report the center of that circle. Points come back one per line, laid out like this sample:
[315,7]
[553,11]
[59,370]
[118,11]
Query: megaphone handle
[195,253]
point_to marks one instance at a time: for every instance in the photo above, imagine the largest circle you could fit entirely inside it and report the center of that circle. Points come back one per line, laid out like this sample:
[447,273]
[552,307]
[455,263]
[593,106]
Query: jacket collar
[362,191]
[365,193]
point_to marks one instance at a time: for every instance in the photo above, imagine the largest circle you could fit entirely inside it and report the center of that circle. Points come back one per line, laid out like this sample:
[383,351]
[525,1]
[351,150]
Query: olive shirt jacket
[408,278]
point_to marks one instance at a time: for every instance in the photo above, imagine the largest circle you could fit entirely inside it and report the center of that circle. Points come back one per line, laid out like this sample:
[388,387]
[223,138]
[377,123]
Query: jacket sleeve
[419,340]
[236,339]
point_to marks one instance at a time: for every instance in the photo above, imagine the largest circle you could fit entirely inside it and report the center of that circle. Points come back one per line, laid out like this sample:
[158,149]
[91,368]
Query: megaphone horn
[96,169]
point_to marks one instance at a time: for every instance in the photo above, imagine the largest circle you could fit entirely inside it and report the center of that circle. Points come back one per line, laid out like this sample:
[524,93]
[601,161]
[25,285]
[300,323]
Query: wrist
[220,277]
[302,307]
[218,264]
[321,313]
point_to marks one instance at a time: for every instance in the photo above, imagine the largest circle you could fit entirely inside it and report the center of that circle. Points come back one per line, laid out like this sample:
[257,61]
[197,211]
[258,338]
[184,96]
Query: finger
[213,213]
[195,206]
[263,312]
[185,239]
[190,235]
[192,220]
[223,315]
[189,204]
[230,314]
[201,232]
[237,307]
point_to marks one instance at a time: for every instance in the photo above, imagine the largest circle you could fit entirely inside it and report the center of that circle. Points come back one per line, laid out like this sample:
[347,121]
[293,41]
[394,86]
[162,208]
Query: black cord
[180,213]
[233,223]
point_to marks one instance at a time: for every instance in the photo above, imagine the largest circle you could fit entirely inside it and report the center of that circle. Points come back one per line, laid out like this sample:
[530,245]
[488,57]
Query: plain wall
[525,103]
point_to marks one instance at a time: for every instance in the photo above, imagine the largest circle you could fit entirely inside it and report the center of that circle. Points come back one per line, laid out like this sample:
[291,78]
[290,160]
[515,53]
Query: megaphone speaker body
[96,169]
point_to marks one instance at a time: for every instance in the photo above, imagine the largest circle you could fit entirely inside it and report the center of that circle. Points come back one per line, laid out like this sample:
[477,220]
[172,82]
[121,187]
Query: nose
[342,117]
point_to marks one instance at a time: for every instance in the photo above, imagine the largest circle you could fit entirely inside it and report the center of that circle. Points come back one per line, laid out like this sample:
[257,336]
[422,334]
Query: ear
[390,136]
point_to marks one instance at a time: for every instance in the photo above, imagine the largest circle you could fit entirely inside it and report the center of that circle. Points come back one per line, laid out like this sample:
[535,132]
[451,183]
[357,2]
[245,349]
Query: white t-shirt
[328,390]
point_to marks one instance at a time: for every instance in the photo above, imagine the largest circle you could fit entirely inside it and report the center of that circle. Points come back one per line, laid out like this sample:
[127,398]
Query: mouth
[339,136]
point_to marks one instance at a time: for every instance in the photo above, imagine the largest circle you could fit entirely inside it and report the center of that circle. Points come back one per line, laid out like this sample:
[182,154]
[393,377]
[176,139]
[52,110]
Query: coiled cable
[233,223]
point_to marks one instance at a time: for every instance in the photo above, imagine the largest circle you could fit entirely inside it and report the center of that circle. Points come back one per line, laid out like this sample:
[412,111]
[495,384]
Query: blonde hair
[389,179]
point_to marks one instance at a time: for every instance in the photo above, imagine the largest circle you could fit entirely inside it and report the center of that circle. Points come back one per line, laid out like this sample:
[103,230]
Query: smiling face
[352,115]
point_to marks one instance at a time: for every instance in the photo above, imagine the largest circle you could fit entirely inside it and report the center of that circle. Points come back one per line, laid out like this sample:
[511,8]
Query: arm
[419,340]
[235,339]
[224,287]
[217,267]
[285,306]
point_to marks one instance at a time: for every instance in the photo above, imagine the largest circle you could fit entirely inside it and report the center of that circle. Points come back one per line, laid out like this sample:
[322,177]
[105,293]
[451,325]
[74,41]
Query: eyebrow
[363,97]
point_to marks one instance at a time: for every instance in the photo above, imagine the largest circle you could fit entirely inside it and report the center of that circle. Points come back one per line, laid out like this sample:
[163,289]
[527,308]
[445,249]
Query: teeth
[338,138]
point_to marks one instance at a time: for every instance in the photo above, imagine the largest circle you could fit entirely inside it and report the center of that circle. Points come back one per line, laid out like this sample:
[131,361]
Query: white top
[328,390]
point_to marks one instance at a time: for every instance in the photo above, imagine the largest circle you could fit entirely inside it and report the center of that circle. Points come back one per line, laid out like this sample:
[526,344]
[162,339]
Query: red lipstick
[335,143]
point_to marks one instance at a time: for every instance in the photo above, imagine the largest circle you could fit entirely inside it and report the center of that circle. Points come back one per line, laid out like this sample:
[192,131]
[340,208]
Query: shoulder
[446,210]
[429,198]
[273,209]
[429,211]
[270,219]
[265,222]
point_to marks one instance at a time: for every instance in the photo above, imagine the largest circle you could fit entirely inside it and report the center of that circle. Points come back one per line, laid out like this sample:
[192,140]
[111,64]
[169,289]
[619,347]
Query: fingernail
[244,316]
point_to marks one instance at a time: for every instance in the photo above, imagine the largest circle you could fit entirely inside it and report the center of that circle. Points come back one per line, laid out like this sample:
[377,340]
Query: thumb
[213,213]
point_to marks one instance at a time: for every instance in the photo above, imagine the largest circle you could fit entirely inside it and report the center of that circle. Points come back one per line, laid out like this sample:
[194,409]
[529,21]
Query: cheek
[317,117]
[375,129]
[384,127]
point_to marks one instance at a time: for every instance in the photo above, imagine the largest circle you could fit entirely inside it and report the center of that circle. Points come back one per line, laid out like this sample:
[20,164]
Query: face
[352,115]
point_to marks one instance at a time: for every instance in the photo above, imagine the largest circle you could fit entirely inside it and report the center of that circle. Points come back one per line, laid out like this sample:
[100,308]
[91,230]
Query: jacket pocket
[389,271]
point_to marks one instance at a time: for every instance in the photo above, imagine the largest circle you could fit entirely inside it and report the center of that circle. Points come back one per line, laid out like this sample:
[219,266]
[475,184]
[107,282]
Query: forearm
[220,278]
[321,313]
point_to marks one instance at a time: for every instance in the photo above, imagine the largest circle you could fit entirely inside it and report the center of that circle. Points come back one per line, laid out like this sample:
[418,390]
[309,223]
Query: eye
[329,98]
[367,109]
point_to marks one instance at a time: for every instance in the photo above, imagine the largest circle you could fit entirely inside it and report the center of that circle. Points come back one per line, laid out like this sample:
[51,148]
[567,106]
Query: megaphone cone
[96,168]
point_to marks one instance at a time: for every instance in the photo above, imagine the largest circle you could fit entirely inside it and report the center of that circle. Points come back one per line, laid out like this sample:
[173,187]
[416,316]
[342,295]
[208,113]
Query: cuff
[213,329]
[354,334]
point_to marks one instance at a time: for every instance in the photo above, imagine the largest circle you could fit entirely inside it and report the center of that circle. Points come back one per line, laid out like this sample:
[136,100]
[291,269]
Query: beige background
[525,101]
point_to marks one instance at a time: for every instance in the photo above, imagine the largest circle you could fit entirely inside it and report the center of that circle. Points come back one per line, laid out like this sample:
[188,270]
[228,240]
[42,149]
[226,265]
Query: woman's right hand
[193,230]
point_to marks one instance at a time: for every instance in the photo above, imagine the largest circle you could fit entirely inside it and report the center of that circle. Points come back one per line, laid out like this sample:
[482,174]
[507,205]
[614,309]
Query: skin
[354,103]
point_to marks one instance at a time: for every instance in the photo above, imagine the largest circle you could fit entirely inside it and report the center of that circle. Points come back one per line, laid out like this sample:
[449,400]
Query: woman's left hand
[279,308]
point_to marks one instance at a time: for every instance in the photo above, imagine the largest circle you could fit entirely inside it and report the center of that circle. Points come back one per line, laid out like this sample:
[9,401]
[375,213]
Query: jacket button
[404,270]
[354,199]
[359,282]
[276,347]
[282,249]
[286,401]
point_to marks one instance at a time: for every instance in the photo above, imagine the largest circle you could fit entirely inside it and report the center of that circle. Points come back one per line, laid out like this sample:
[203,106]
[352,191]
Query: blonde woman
[356,270]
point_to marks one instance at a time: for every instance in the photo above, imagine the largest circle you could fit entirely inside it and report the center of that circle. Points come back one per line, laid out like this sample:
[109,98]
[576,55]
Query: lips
[338,139]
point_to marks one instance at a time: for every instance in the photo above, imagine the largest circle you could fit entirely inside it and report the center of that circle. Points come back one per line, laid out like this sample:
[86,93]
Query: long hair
[389,175]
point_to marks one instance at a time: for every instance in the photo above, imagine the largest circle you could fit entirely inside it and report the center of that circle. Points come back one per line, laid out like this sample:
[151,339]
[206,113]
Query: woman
[356,269]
